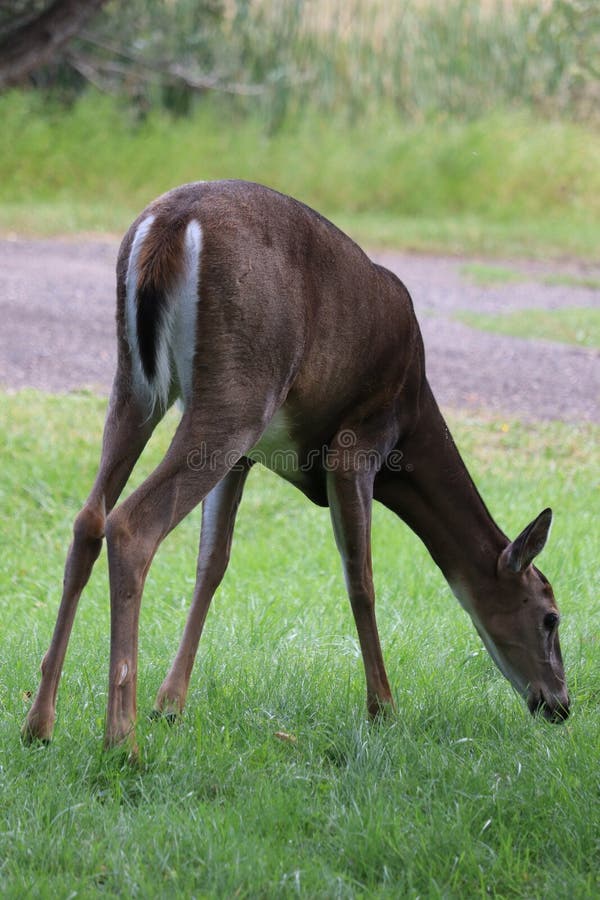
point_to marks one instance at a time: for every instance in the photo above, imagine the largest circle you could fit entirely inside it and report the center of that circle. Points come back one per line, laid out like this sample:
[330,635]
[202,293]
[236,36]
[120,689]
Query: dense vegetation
[464,125]
[416,58]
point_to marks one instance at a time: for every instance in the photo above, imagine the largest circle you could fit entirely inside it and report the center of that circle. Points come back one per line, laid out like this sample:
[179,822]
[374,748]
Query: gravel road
[57,329]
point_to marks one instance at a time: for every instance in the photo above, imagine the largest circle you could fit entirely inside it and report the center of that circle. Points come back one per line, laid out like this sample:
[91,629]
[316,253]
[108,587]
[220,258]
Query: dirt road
[57,330]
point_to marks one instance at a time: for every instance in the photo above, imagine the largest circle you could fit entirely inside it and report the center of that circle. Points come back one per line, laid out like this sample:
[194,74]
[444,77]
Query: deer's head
[518,620]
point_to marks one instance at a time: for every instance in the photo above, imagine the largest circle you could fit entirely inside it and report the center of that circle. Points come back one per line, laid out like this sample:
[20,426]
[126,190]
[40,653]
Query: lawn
[573,325]
[486,275]
[461,794]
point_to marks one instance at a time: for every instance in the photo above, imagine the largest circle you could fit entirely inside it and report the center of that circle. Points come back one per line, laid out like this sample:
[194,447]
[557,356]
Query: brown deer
[285,345]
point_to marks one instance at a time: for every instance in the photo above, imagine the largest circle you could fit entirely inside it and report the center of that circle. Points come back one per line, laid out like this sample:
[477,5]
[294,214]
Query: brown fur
[292,316]
[160,258]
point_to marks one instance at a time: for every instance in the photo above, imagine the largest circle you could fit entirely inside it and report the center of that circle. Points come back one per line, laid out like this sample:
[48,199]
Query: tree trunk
[36,42]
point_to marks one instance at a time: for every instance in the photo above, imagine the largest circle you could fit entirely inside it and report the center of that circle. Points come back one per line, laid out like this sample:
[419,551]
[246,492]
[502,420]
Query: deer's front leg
[218,519]
[350,495]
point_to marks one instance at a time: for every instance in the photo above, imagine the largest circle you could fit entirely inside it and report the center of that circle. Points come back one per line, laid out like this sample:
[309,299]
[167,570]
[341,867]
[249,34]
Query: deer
[287,346]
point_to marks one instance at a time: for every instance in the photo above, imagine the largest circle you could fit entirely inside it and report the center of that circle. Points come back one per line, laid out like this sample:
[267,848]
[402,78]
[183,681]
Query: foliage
[502,182]
[13,12]
[462,126]
[416,59]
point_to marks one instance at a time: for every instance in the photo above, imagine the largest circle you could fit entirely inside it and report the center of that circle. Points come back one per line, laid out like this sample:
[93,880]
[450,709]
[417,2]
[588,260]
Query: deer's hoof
[168,705]
[380,710]
[164,715]
[37,729]
[122,744]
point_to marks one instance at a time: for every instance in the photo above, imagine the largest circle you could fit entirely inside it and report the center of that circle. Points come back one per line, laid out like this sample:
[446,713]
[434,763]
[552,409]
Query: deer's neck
[435,495]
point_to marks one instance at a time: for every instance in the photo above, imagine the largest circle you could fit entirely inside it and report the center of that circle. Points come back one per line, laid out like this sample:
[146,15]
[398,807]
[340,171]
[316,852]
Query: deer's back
[282,295]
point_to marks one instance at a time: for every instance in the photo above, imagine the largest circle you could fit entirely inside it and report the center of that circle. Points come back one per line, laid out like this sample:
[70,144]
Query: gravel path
[57,329]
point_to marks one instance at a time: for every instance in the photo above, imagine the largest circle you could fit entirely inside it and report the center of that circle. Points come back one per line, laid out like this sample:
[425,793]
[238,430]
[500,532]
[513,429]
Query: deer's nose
[557,713]
[556,710]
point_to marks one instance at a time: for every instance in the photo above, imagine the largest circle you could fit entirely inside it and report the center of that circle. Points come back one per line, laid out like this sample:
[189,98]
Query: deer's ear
[523,550]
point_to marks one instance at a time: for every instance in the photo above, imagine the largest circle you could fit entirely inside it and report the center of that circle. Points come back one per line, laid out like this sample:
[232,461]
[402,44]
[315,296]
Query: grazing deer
[286,345]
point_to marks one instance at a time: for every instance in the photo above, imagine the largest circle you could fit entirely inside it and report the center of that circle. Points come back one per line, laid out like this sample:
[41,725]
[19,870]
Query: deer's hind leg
[135,529]
[126,432]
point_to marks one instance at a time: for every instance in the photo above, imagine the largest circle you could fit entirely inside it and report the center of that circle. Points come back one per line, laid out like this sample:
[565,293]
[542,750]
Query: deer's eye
[550,621]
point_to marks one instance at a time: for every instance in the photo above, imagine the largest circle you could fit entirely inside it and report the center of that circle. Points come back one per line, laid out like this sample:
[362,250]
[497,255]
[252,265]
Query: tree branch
[174,71]
[36,41]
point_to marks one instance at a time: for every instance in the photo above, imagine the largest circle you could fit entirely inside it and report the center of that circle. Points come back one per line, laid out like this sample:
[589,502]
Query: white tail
[176,328]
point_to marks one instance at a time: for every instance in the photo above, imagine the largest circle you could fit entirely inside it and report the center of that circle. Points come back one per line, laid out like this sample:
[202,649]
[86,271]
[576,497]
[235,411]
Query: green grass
[558,278]
[461,795]
[485,275]
[576,325]
[504,182]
